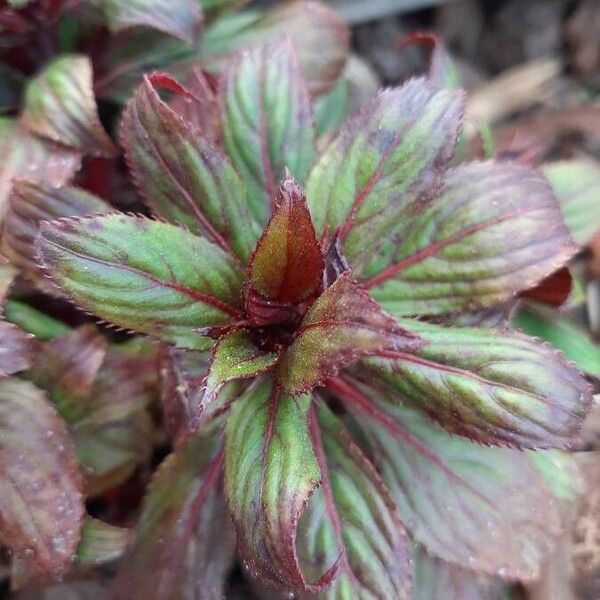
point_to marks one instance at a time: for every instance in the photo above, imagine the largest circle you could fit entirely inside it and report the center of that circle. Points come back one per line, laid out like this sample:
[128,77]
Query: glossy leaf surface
[105,263]
[342,325]
[31,203]
[266,121]
[60,105]
[182,173]
[383,165]
[270,473]
[42,504]
[493,230]
[493,387]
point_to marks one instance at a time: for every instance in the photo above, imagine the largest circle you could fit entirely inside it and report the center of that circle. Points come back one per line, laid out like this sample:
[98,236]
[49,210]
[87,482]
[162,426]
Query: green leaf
[318,32]
[76,357]
[101,543]
[234,357]
[494,387]
[183,542]
[576,184]
[481,508]
[145,275]
[352,522]
[331,109]
[29,205]
[179,18]
[342,325]
[33,321]
[493,230]
[182,173]
[383,164]
[266,121]
[24,155]
[42,505]
[60,106]
[270,473]
[15,349]
[561,474]
[571,340]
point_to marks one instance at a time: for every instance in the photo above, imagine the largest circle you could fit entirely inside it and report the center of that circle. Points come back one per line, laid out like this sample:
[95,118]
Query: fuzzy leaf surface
[352,522]
[383,164]
[179,18]
[270,473]
[60,105]
[42,505]
[342,325]
[183,174]
[481,508]
[266,121]
[287,265]
[571,340]
[144,275]
[576,184]
[184,544]
[493,230]
[29,205]
[234,357]
[493,387]
[16,349]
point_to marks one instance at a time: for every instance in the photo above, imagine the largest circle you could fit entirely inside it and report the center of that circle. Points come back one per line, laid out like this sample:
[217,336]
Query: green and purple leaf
[351,523]
[495,387]
[30,204]
[493,230]
[485,509]
[184,543]
[101,543]
[16,349]
[343,325]
[185,177]
[190,287]
[383,167]
[266,121]
[576,184]
[234,356]
[42,505]
[270,473]
[60,106]
[287,265]
[179,18]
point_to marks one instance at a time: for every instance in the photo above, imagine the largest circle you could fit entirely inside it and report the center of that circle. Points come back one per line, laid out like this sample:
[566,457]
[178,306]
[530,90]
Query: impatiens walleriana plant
[316,397]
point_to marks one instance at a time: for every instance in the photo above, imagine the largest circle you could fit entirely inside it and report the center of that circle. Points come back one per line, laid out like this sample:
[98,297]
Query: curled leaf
[60,106]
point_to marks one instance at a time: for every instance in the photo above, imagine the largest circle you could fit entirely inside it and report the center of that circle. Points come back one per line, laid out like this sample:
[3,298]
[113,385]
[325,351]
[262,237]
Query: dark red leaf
[553,290]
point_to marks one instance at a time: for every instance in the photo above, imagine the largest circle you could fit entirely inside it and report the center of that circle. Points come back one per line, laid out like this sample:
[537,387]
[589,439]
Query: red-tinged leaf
[287,265]
[189,286]
[16,349]
[60,106]
[101,543]
[493,230]
[554,290]
[179,18]
[352,521]
[270,473]
[266,121]
[318,32]
[42,505]
[383,167]
[234,357]
[182,173]
[343,325]
[29,205]
[184,543]
[495,387]
[24,155]
[481,508]
[67,367]
[576,184]
[199,107]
